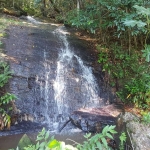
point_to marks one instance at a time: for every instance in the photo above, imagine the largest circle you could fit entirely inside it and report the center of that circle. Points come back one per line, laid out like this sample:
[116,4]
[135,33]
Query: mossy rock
[24,142]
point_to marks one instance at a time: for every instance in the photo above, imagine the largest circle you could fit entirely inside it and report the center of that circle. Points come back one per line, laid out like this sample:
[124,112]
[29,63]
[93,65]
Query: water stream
[75,77]
[74,85]
[54,76]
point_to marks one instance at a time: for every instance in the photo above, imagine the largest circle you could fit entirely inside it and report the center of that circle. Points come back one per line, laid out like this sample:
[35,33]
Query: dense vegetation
[102,141]
[5,98]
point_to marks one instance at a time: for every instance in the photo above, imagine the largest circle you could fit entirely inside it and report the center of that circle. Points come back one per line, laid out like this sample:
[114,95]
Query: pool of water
[11,141]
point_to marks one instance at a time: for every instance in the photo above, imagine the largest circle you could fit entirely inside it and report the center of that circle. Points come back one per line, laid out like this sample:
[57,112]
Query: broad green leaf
[47,135]
[39,138]
[93,147]
[109,135]
[42,132]
[54,143]
[99,146]
[104,142]
[43,144]
[87,135]
[105,130]
[132,23]
[37,145]
[141,24]
[142,10]
[111,128]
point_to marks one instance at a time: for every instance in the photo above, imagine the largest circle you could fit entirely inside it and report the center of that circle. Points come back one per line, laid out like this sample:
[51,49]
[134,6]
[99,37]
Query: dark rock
[95,119]
[139,133]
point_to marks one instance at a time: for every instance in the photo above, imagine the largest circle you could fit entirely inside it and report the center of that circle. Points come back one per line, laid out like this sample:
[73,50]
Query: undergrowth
[5,74]
[5,98]
[97,142]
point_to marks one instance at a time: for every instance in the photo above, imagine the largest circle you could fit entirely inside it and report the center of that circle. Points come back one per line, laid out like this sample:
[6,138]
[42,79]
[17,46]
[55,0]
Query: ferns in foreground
[5,98]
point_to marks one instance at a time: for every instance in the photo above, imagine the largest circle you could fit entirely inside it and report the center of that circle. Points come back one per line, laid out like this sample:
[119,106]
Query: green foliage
[123,139]
[146,118]
[5,98]
[143,22]
[133,75]
[4,74]
[96,142]
[84,19]
[146,53]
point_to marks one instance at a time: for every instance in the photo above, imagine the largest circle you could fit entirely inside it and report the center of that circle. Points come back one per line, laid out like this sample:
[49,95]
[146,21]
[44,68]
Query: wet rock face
[138,132]
[95,119]
[50,79]
[31,56]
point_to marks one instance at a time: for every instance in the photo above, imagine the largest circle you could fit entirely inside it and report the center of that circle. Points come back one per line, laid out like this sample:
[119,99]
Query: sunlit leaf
[47,135]
[132,23]
[99,145]
[104,142]
[87,135]
[54,143]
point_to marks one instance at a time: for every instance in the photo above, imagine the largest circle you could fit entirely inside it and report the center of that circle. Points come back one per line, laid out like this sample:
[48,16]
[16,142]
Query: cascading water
[74,86]
[51,77]
[54,78]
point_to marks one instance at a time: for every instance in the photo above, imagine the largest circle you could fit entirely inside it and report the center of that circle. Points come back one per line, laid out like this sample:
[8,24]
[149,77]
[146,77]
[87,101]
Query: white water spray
[64,59]
[89,87]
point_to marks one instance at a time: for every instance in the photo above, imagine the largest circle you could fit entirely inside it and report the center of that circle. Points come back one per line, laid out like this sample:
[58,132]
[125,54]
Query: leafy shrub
[123,139]
[133,75]
[5,74]
[146,118]
[5,98]
[96,142]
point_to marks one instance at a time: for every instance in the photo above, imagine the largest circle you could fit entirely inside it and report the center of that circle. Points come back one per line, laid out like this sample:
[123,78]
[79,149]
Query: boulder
[95,119]
[138,132]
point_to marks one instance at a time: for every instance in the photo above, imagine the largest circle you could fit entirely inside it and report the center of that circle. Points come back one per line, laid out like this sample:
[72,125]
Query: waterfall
[74,86]
[58,80]
[32,20]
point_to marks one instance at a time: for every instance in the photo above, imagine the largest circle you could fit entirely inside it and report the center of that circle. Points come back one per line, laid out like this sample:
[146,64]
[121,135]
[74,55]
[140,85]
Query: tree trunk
[78,7]
[13,2]
[44,8]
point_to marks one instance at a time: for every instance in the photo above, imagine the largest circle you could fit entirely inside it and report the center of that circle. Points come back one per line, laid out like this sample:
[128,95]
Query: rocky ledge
[138,132]
[94,119]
